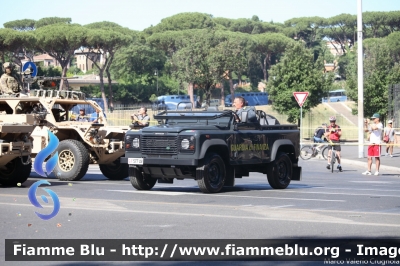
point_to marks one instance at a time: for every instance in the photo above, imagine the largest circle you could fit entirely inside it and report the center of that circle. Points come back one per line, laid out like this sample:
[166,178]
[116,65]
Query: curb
[364,164]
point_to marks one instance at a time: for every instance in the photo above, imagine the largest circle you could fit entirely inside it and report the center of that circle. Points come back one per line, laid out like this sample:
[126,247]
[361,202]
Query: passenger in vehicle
[82,116]
[97,117]
[239,104]
[141,119]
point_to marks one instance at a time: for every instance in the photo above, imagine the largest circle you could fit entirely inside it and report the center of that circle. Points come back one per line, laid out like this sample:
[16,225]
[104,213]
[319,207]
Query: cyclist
[333,134]
[319,136]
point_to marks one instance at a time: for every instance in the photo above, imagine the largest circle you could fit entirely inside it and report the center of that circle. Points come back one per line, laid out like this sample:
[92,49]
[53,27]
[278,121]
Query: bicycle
[333,155]
[310,151]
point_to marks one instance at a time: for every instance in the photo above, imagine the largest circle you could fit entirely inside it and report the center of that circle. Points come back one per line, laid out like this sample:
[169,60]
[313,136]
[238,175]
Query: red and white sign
[300,97]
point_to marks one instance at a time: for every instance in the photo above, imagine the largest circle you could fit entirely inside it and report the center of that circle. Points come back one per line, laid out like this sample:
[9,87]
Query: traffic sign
[32,67]
[300,97]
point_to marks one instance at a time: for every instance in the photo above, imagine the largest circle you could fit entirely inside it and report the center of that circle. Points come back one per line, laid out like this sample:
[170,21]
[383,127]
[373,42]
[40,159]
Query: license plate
[135,161]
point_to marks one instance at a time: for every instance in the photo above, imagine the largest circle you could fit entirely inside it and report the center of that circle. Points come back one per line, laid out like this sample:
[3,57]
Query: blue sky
[140,14]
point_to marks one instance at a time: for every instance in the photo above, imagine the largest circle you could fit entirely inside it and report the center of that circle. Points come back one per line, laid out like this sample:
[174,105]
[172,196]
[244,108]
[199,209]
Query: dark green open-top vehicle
[210,147]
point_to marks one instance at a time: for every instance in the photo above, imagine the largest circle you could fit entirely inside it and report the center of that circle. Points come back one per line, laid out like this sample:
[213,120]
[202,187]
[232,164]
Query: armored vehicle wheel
[15,172]
[213,174]
[139,181]
[279,172]
[115,171]
[73,160]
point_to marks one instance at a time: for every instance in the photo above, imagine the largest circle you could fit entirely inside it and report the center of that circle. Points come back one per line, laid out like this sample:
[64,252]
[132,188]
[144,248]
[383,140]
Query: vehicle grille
[159,145]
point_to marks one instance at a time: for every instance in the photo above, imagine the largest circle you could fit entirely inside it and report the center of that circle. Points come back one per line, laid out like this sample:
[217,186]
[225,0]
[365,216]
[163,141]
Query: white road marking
[337,193]
[359,189]
[373,182]
[284,206]
[167,193]
[277,217]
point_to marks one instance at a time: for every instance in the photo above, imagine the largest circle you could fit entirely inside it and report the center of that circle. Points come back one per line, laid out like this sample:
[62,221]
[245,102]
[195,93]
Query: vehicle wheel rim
[66,160]
[282,171]
[214,174]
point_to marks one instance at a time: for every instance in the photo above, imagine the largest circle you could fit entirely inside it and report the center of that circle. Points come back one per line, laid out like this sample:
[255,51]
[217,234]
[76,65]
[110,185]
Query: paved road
[322,205]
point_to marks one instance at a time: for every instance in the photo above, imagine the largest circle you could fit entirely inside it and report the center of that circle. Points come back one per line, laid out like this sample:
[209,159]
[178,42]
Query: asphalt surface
[321,205]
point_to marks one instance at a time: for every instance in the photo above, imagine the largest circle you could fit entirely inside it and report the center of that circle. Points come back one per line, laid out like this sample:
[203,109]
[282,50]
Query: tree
[169,41]
[21,25]
[392,21]
[60,41]
[225,58]
[232,54]
[182,21]
[297,71]
[192,63]
[13,44]
[266,45]
[393,42]
[51,21]
[381,24]
[105,39]
[341,31]
[307,29]
[137,63]
[378,74]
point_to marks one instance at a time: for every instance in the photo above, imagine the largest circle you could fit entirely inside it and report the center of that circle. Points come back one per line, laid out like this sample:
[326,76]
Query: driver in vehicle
[240,107]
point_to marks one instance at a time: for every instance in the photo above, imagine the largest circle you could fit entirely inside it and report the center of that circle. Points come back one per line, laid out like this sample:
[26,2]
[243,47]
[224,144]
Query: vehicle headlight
[185,143]
[136,143]
[188,144]
[132,142]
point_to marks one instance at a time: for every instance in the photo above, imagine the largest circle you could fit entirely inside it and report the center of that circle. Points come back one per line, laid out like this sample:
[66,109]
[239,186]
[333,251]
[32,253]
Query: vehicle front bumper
[164,161]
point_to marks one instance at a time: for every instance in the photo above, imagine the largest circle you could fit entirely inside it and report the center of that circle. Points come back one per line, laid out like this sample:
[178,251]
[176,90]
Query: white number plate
[135,161]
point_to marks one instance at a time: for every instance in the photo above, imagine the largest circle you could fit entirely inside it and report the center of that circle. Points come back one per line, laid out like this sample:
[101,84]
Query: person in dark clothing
[319,136]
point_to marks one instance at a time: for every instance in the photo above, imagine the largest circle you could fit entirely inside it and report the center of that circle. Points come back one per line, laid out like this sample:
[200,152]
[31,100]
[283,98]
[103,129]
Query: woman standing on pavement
[389,131]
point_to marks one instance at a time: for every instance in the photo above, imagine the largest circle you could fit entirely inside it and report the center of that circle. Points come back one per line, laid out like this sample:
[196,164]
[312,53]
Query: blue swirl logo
[53,195]
[43,154]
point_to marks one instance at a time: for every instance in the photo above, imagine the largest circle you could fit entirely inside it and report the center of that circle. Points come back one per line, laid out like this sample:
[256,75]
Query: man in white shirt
[374,148]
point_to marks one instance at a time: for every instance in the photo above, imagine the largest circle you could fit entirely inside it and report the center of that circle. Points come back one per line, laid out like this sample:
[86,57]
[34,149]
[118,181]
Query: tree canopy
[296,71]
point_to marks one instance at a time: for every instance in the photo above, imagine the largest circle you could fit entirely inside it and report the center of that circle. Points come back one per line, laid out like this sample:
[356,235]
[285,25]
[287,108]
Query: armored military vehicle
[81,142]
[15,150]
[212,148]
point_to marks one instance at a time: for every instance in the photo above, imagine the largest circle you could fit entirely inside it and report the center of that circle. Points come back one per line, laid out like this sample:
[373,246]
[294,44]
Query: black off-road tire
[73,160]
[115,171]
[139,181]
[16,172]
[214,174]
[279,172]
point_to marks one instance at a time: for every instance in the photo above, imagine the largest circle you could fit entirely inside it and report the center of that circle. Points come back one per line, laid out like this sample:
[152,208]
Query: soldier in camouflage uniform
[8,83]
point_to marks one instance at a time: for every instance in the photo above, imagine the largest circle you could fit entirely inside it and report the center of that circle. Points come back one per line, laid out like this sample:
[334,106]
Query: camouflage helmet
[8,65]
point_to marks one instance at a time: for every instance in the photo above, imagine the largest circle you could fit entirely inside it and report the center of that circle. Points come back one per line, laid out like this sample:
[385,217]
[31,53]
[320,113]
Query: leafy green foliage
[21,25]
[51,21]
[267,45]
[379,72]
[182,21]
[307,29]
[138,61]
[296,71]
